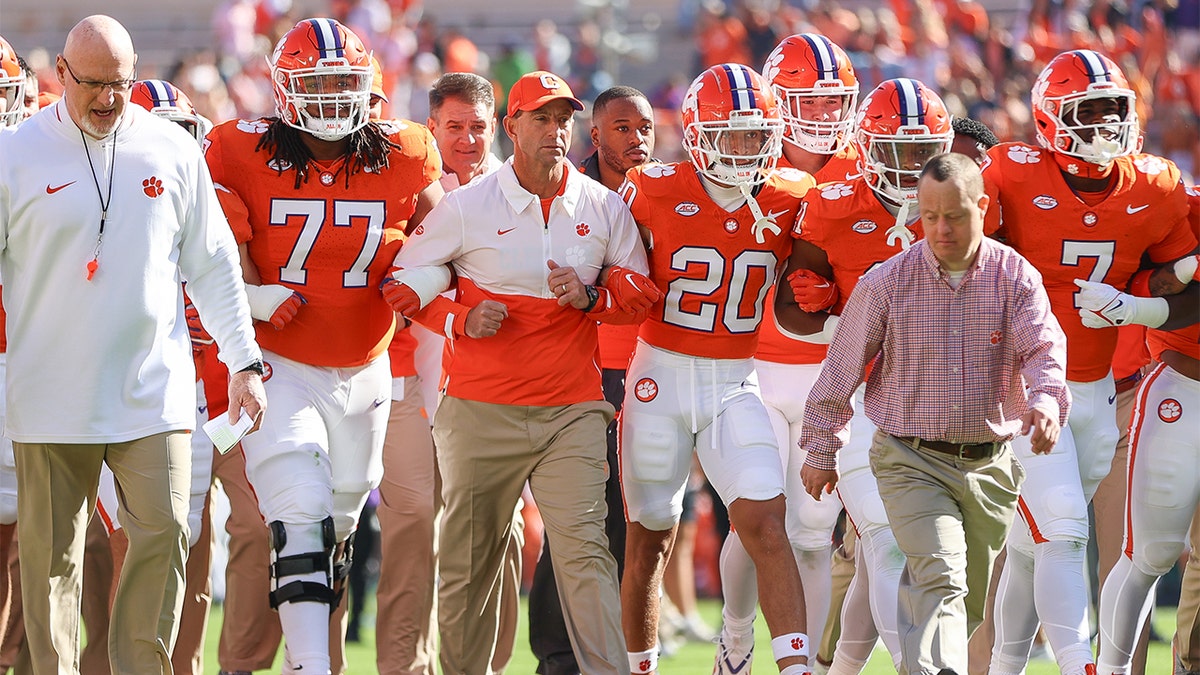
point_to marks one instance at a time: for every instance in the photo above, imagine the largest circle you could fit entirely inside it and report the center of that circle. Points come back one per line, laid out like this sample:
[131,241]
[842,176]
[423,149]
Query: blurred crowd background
[982,56]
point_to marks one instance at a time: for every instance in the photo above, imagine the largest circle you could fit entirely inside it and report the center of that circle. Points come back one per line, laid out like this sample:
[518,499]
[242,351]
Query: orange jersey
[1067,239]
[847,221]
[616,344]
[330,242]
[706,260]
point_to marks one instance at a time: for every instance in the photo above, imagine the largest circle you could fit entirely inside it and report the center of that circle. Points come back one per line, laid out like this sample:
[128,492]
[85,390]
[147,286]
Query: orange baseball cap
[377,80]
[538,88]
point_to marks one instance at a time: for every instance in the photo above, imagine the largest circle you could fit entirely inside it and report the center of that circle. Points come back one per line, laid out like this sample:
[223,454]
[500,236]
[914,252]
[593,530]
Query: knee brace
[302,564]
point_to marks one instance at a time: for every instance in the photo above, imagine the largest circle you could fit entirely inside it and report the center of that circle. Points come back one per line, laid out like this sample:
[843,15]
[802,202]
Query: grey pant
[950,517]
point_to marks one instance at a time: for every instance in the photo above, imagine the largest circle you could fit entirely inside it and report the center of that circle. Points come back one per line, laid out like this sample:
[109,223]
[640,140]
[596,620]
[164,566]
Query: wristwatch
[257,366]
[593,296]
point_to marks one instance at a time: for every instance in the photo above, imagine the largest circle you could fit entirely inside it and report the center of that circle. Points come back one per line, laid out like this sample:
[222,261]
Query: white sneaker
[731,659]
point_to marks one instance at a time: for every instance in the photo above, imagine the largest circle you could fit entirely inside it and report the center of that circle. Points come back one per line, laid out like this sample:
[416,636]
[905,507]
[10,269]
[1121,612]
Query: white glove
[1185,269]
[1102,306]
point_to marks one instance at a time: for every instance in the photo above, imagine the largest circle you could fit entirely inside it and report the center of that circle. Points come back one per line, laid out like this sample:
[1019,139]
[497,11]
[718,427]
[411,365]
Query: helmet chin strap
[899,233]
[761,222]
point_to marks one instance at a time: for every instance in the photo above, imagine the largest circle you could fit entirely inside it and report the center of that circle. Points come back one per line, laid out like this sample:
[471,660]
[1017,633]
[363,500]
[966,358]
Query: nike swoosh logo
[202,409]
[504,232]
[1112,399]
[1134,209]
[378,402]
[52,190]
[771,215]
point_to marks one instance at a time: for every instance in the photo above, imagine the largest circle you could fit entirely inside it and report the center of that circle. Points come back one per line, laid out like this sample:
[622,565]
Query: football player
[817,91]
[845,228]
[714,226]
[1164,456]
[1083,204]
[12,86]
[328,194]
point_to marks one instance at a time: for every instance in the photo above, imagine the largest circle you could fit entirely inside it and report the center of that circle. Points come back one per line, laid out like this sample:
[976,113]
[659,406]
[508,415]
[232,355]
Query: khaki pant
[841,572]
[1187,619]
[409,500]
[250,632]
[486,452]
[950,518]
[56,494]
[188,657]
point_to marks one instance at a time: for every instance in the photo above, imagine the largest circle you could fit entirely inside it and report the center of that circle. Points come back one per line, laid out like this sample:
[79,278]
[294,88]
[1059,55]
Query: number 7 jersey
[329,242]
[707,261]
[1067,238]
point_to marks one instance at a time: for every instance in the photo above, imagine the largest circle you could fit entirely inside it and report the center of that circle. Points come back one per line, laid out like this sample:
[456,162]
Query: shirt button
[954,370]
[954,407]
[954,332]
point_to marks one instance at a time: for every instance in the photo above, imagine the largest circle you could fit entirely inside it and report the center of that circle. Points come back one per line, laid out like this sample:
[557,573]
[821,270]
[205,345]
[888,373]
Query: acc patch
[864,226]
[646,390]
[1170,410]
[687,208]
[1045,202]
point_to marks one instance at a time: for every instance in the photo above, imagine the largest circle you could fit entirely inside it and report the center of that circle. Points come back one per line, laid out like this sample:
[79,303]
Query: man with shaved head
[98,235]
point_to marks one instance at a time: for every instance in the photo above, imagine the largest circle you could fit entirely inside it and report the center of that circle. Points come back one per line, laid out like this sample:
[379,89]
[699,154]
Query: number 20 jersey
[1067,238]
[330,243]
[706,260]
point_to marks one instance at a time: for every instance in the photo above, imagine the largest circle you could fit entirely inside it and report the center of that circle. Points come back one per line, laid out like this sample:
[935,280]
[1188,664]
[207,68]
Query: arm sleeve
[857,340]
[444,317]
[208,259]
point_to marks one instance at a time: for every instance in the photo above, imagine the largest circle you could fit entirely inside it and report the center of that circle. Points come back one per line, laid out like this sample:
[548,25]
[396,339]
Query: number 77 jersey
[330,240]
[1102,239]
[706,260]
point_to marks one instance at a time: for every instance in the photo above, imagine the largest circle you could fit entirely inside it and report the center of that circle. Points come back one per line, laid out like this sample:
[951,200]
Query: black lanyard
[105,200]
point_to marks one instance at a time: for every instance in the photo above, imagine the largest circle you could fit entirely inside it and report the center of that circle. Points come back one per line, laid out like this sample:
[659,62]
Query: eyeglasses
[118,86]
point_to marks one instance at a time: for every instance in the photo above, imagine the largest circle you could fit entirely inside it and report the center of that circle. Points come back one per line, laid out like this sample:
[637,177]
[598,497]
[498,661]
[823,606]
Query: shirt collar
[520,199]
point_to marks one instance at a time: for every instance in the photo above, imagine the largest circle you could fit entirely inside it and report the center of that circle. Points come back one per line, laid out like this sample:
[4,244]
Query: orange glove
[633,292]
[286,311]
[402,298]
[813,292]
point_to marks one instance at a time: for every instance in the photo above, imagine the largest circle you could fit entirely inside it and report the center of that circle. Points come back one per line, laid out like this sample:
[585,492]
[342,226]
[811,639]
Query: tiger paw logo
[582,229]
[996,337]
[267,372]
[1170,410]
[252,126]
[645,390]
[152,187]
[836,191]
[644,665]
[1022,154]
[658,171]
[797,643]
[1151,166]
[576,256]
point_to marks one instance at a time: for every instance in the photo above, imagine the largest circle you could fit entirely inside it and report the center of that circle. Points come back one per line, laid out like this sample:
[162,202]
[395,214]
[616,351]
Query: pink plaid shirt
[950,361]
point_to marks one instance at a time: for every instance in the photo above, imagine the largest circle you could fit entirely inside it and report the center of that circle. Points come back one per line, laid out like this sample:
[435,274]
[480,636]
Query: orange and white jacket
[491,231]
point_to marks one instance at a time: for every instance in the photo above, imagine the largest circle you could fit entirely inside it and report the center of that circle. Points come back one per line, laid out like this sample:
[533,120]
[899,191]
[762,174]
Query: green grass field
[690,660]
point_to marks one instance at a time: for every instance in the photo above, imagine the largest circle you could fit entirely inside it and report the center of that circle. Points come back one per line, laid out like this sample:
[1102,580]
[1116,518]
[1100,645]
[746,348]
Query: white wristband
[264,300]
[789,645]
[1185,269]
[428,281]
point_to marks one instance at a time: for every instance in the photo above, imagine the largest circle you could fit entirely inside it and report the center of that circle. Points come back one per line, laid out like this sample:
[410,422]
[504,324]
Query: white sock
[885,562]
[815,572]
[305,624]
[859,635]
[1015,617]
[1125,604]
[644,662]
[739,582]
[797,669]
[1061,594]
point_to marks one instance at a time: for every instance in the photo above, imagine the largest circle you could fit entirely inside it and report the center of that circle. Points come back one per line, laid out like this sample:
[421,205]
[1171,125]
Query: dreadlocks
[369,149]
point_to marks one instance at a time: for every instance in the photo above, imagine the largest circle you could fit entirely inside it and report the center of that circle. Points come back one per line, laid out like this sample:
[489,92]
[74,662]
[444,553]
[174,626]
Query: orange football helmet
[166,100]
[731,125]
[1109,128]
[900,126]
[322,77]
[12,86]
[806,66]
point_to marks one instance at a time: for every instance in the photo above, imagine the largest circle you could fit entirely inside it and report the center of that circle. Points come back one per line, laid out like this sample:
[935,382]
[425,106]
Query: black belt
[960,450]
